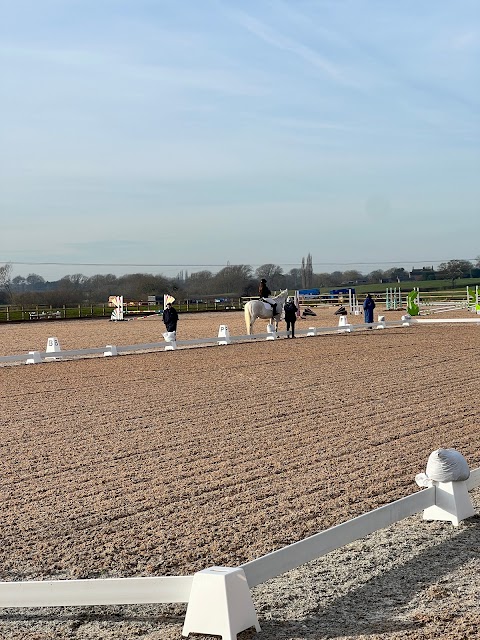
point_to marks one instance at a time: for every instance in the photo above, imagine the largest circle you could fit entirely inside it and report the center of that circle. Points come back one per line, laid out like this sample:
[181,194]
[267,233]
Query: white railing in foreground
[474,480]
[178,589]
[76,593]
[278,562]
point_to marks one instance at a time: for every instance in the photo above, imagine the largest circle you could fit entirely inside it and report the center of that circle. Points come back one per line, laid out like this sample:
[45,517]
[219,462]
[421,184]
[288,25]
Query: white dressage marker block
[53,346]
[343,322]
[220,604]
[452,503]
[170,338]
[224,334]
[381,322]
[272,334]
[406,320]
[312,331]
[34,357]
[111,350]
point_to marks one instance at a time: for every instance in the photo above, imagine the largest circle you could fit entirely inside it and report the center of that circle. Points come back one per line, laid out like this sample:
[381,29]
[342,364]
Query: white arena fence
[218,598]
[223,338]
[433,302]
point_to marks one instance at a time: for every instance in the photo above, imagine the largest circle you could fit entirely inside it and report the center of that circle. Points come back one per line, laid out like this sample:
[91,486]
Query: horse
[259,309]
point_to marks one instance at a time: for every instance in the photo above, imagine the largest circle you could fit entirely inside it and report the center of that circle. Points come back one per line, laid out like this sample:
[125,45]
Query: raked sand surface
[166,463]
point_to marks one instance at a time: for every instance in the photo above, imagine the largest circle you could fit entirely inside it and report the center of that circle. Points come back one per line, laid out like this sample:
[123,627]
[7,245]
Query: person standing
[368,307]
[265,293]
[290,310]
[170,318]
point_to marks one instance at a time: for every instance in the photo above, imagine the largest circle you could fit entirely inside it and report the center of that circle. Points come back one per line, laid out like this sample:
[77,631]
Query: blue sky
[188,134]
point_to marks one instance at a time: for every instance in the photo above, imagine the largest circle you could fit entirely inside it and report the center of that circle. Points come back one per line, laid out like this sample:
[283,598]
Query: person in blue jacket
[368,307]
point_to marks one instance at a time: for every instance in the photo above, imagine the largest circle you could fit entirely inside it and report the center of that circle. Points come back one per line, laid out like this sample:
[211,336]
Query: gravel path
[169,462]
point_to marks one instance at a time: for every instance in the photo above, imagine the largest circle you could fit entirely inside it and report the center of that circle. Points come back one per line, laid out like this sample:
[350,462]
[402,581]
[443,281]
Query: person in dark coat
[290,311]
[368,307]
[170,317]
[263,290]
[265,293]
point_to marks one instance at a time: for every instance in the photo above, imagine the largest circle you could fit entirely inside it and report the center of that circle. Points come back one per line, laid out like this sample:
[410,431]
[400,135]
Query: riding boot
[274,309]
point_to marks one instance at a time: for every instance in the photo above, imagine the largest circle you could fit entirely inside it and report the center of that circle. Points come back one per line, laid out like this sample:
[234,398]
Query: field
[170,462]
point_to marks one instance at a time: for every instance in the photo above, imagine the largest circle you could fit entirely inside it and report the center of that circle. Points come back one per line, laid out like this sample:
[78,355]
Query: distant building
[425,273]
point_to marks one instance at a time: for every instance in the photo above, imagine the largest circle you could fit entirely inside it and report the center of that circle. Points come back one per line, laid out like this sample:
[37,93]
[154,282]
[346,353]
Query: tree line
[231,281]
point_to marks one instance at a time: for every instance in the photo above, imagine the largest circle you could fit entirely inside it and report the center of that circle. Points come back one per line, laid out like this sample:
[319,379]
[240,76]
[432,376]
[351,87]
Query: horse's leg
[248,319]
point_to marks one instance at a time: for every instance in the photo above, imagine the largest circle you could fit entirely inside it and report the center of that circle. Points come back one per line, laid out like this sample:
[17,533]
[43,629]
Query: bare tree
[34,281]
[307,272]
[5,283]
[455,269]
[396,273]
[200,283]
[233,279]
[352,276]
[272,273]
[376,276]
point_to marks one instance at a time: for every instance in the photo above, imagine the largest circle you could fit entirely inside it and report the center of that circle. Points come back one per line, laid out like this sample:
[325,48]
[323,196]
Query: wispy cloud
[285,43]
[465,40]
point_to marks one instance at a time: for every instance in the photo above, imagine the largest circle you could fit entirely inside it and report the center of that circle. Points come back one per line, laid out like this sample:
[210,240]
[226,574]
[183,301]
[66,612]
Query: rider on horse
[265,293]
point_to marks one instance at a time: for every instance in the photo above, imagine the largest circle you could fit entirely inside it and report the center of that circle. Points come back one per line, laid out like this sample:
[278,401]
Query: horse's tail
[248,318]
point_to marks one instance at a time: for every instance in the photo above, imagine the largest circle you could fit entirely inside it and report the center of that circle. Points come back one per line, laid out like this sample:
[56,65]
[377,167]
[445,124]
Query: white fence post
[452,503]
[220,604]
[272,334]
[344,324]
[171,340]
[34,357]
[224,334]
[53,346]
[111,350]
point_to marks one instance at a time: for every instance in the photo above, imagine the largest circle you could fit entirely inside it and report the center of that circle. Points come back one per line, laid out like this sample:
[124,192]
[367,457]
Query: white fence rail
[64,593]
[474,480]
[278,562]
[34,357]
[181,589]
[40,356]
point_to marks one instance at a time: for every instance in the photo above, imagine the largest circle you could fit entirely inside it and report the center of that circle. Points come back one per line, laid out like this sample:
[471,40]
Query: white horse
[259,309]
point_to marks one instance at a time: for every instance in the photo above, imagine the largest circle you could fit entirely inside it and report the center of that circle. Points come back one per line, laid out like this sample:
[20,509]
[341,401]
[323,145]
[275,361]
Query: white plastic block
[53,346]
[452,503]
[381,322]
[406,320]
[34,357]
[170,338]
[272,334]
[344,324]
[312,331]
[110,350]
[220,604]
[224,334]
